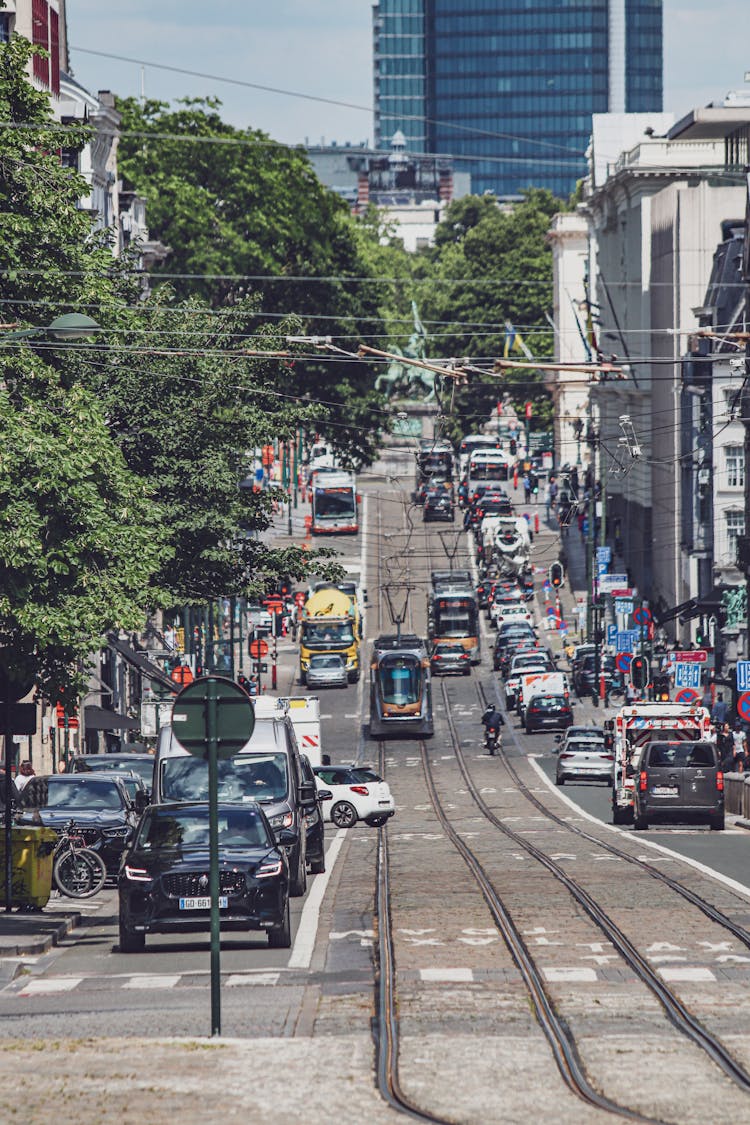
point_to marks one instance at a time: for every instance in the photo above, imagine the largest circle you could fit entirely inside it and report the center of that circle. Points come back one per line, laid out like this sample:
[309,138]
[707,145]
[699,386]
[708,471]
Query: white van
[267,770]
[304,713]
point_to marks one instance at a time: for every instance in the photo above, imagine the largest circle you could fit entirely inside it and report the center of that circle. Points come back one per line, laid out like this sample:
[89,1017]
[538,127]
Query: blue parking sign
[743,675]
[687,675]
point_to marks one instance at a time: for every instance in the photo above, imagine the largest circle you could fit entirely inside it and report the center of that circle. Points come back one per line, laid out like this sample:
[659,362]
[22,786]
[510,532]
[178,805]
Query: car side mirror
[558,738]
[142,801]
[325,795]
[306,793]
[286,838]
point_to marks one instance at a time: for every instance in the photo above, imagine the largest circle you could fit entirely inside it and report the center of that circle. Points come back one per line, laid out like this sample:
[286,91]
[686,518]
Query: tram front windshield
[326,635]
[400,680]
[455,617]
[334,502]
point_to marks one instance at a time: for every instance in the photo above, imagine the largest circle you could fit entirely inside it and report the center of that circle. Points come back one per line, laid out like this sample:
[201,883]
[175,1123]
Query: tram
[400,688]
[453,611]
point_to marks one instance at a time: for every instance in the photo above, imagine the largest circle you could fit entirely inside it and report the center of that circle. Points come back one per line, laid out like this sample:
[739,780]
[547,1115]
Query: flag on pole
[514,342]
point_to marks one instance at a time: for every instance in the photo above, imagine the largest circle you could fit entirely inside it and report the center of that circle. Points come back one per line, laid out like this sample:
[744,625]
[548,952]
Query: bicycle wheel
[80,873]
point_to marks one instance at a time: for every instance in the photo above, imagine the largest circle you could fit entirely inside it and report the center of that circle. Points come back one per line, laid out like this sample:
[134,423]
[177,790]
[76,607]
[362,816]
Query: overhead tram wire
[327,101]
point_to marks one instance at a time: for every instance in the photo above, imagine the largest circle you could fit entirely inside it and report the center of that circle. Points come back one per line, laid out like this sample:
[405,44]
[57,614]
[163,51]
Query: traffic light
[556,574]
[513,447]
[661,687]
[638,673]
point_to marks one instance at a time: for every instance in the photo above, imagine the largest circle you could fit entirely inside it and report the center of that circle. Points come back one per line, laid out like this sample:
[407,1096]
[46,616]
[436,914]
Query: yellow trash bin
[33,851]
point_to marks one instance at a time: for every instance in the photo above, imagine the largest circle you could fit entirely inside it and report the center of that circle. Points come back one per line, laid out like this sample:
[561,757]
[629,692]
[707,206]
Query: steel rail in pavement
[675,1010]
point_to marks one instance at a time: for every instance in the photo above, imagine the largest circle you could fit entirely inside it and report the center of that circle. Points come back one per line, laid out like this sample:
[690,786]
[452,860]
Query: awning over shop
[140,661]
[99,718]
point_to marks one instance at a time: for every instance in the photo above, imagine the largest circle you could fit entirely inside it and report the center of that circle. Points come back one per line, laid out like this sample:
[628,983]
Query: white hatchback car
[357,793]
[511,611]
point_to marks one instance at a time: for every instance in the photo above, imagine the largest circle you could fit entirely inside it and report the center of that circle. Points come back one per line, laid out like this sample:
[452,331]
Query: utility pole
[591,517]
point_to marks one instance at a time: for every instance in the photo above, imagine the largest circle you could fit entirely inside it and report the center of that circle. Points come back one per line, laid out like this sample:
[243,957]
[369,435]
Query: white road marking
[733,885]
[153,981]
[53,984]
[452,976]
[239,980]
[686,973]
[583,976]
[304,942]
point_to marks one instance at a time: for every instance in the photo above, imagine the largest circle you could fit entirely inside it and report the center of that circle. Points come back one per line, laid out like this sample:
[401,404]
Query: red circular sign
[687,695]
[622,661]
[743,706]
[259,648]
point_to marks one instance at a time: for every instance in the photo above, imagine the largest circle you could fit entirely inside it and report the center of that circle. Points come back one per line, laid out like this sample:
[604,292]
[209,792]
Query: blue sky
[323,48]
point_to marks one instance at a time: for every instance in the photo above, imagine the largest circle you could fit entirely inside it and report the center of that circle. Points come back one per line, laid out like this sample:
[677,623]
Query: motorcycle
[491,739]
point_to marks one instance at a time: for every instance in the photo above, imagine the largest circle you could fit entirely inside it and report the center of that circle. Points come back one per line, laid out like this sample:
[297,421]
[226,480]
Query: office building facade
[508,87]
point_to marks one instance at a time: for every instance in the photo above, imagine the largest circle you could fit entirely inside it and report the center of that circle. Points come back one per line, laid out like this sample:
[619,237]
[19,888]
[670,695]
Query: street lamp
[69,326]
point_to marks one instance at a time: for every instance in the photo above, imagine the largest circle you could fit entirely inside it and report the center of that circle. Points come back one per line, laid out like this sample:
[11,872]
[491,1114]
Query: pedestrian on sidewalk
[719,710]
[527,487]
[25,772]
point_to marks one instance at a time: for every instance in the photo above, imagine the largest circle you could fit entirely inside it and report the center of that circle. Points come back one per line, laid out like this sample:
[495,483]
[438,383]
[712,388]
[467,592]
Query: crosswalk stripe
[152,982]
[238,980]
[52,984]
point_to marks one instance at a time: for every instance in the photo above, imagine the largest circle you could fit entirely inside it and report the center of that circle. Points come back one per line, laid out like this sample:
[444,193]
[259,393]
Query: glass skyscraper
[508,86]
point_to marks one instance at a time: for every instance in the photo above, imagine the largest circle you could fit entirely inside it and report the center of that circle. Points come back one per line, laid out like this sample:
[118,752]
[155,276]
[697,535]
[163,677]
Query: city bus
[334,503]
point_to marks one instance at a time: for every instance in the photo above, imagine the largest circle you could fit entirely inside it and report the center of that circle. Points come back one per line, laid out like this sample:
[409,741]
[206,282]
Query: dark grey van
[679,781]
[268,770]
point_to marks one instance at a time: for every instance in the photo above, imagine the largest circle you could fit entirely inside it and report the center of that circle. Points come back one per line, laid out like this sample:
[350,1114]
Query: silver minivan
[267,770]
[679,781]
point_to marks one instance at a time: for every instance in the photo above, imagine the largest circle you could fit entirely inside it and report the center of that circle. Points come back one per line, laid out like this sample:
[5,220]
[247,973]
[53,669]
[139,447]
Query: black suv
[164,879]
[100,807]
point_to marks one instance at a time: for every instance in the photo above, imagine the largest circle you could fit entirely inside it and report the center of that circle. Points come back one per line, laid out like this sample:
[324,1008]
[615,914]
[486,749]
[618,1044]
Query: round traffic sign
[622,661]
[687,695]
[218,703]
[642,615]
[743,706]
[259,648]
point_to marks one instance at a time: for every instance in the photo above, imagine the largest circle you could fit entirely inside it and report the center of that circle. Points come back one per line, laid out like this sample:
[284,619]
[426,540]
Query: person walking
[719,710]
[25,773]
[527,487]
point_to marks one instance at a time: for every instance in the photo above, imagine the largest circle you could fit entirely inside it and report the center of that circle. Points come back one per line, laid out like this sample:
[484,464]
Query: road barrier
[737,794]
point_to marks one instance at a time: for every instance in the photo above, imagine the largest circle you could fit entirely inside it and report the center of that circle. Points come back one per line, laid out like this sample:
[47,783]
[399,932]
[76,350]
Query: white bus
[334,503]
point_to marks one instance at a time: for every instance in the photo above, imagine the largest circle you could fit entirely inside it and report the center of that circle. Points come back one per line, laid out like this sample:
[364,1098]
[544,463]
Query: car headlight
[282,820]
[136,874]
[116,833]
[268,868]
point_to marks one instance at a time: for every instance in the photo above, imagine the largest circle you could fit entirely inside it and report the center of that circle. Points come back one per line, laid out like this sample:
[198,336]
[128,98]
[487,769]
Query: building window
[735,466]
[4,28]
[735,526]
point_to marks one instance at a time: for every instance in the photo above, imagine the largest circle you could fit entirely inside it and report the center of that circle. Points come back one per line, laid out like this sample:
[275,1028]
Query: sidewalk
[32,934]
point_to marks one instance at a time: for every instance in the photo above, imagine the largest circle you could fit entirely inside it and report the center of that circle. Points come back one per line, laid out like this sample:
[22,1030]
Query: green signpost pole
[213,719]
[212,745]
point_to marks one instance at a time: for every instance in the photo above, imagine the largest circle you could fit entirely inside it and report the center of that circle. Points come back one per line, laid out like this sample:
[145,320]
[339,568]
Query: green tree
[491,264]
[246,216]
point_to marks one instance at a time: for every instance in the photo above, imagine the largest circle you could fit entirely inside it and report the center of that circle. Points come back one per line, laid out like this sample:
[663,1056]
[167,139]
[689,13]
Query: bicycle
[78,871]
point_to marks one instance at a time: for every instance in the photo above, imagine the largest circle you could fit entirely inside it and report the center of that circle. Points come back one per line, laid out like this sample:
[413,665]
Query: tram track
[675,1010]
[708,909]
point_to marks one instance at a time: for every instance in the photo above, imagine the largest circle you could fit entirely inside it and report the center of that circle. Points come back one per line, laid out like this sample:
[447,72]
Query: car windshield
[75,793]
[681,754]
[320,634]
[318,662]
[188,828]
[548,702]
[449,650]
[334,501]
[361,773]
[247,777]
[587,747]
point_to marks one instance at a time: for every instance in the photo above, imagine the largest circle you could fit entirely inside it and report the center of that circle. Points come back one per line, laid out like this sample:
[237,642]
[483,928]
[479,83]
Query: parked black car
[100,807]
[142,764]
[585,679]
[164,879]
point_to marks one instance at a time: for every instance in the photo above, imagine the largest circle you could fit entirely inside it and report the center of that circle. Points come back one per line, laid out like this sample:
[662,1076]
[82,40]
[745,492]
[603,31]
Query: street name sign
[623,605]
[689,656]
[610,582]
[743,675]
[687,675]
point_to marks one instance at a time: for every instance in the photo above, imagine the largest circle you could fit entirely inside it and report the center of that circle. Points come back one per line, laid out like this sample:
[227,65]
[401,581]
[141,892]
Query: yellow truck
[330,625]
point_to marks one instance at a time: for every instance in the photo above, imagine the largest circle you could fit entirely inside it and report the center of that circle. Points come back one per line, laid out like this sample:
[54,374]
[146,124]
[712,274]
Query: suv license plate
[203,903]
[665,791]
